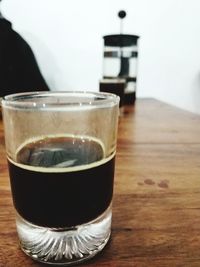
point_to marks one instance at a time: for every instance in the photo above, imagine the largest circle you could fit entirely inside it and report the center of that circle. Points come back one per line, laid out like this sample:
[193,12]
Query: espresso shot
[61,149]
[61,181]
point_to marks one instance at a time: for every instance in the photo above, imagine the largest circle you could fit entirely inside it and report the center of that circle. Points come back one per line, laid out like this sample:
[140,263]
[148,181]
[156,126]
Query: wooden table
[156,206]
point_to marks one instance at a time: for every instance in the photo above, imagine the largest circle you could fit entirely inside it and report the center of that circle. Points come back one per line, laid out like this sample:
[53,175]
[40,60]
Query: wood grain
[156,204]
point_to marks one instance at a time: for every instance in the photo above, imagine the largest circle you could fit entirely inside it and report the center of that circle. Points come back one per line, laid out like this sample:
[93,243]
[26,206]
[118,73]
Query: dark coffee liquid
[114,88]
[61,181]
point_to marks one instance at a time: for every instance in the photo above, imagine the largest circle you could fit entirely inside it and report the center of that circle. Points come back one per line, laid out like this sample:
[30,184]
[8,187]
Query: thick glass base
[64,246]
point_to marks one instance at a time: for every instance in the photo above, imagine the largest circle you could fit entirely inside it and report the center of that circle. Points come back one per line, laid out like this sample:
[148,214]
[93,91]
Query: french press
[120,60]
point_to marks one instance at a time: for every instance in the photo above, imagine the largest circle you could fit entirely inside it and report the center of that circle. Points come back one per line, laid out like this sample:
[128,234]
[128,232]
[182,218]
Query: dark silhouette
[19,71]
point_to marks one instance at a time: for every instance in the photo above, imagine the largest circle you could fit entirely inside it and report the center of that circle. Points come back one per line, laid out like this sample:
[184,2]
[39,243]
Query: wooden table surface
[156,205]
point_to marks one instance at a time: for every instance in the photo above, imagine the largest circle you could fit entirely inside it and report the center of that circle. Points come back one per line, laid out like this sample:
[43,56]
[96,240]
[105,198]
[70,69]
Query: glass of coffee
[61,156]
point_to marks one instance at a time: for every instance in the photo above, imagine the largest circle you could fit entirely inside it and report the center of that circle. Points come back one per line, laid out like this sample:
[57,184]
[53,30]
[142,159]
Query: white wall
[66,37]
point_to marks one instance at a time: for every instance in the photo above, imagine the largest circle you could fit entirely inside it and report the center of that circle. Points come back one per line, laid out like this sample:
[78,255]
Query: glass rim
[86,99]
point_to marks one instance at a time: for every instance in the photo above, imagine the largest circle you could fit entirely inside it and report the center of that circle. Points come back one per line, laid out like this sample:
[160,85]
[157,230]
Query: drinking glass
[61,157]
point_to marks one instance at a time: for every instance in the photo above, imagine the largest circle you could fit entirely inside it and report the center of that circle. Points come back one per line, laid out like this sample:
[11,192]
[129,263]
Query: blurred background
[66,38]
